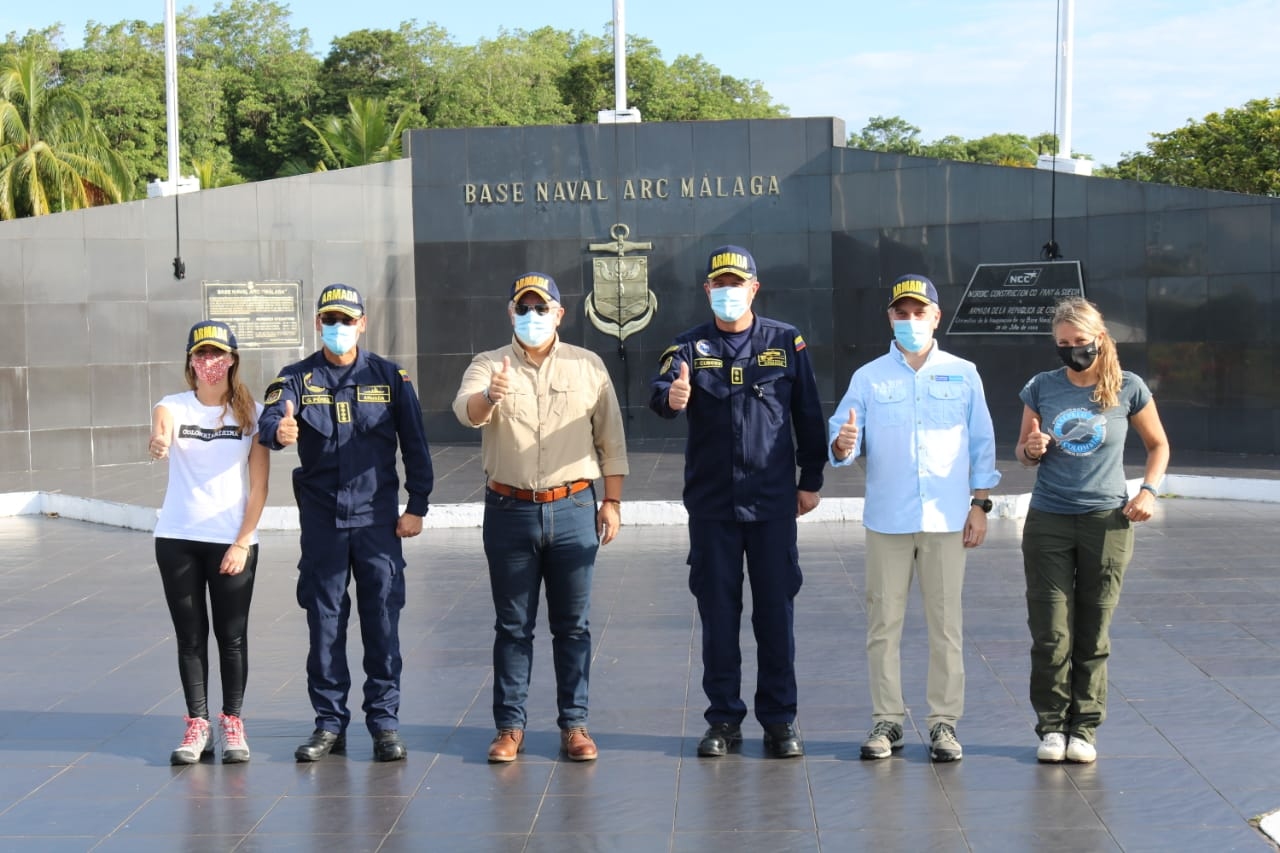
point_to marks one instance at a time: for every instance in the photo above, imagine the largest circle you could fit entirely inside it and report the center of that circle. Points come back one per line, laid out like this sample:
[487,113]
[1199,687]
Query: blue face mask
[912,335]
[730,303]
[534,329]
[339,339]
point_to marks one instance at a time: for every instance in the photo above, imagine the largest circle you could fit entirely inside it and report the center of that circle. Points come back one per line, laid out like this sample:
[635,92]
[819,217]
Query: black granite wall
[1187,278]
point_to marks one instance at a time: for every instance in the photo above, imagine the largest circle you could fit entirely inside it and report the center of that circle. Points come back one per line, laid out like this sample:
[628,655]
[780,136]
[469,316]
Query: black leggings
[187,568]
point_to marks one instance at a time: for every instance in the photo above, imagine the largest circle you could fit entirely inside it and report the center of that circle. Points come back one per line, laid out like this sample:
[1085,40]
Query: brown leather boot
[578,745]
[506,746]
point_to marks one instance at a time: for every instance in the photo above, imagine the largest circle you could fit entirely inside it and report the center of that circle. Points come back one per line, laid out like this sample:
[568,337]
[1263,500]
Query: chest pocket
[947,403]
[714,380]
[562,396]
[370,416]
[317,413]
[893,406]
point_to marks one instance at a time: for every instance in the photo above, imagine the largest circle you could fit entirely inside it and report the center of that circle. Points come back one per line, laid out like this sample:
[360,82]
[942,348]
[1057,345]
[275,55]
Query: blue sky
[949,67]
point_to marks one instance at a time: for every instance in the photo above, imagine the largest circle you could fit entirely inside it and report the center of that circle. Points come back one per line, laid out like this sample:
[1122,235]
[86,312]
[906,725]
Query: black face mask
[1079,359]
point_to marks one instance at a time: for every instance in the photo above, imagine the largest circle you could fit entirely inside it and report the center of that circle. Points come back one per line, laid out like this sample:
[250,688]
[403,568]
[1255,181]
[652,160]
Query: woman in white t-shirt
[206,535]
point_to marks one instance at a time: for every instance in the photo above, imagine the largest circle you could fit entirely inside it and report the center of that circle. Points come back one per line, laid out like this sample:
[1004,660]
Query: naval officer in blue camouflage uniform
[346,409]
[748,389]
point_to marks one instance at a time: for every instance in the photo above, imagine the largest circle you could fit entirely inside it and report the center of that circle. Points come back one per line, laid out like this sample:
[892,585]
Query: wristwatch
[984,504]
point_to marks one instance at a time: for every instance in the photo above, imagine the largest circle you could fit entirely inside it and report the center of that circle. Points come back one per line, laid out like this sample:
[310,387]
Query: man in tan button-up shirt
[550,426]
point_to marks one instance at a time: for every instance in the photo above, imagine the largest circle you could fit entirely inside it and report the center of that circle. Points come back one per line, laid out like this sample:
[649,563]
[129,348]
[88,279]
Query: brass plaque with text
[263,314]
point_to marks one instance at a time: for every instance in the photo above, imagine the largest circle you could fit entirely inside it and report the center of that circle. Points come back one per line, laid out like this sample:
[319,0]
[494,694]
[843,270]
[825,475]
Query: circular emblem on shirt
[703,347]
[1079,432]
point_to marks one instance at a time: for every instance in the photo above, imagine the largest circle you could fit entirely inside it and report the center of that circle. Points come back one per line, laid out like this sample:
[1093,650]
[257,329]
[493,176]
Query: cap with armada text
[342,298]
[539,282]
[915,287]
[733,260]
[212,333]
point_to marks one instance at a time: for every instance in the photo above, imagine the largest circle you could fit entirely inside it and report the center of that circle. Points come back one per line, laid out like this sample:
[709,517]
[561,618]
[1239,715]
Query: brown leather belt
[540,496]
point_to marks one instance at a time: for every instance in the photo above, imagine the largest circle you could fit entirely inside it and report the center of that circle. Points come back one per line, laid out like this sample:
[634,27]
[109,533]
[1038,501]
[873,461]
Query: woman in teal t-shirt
[1078,536]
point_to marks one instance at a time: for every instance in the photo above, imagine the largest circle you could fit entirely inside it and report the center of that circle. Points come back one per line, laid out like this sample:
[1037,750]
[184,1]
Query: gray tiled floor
[90,707]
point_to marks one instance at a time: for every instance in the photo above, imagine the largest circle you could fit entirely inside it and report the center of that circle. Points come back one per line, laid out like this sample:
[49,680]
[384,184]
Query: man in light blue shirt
[918,417]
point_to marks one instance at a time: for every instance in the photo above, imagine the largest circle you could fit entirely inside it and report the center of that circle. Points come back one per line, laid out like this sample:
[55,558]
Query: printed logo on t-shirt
[202,434]
[1079,432]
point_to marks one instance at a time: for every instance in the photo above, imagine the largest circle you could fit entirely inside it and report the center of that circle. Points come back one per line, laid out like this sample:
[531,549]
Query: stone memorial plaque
[263,314]
[1015,299]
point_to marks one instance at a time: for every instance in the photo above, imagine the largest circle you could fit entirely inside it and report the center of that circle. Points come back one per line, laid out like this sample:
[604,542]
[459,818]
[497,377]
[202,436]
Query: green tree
[1237,150]
[363,136]
[694,89]
[267,79]
[511,80]
[1002,149]
[120,70]
[400,67]
[53,156]
[688,89]
[891,134]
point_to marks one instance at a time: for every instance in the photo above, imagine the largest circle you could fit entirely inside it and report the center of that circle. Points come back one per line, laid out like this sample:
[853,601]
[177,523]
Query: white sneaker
[1081,751]
[195,743]
[235,747]
[1053,748]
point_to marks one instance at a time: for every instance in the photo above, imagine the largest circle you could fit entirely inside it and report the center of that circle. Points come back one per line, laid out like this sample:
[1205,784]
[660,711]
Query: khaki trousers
[938,560]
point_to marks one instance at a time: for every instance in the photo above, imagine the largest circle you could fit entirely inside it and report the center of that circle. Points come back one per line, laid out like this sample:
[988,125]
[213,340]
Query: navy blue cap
[342,298]
[915,287]
[211,332]
[539,282]
[731,259]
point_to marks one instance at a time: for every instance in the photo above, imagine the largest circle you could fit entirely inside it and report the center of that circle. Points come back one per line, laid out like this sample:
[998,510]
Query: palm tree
[363,136]
[53,156]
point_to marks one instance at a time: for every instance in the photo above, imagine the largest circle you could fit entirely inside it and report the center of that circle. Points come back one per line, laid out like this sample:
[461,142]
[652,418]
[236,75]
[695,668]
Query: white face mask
[730,303]
[534,329]
[913,335]
[339,338]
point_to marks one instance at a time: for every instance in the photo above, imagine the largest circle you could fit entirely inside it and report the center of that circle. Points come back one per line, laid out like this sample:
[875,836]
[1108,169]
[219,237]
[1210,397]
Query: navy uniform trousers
[716,550]
[332,558]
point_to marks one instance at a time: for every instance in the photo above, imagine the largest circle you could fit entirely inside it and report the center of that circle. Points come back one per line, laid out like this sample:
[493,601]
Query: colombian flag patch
[799,343]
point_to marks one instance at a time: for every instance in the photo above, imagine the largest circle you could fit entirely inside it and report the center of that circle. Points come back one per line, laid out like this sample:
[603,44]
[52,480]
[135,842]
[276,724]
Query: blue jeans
[526,545]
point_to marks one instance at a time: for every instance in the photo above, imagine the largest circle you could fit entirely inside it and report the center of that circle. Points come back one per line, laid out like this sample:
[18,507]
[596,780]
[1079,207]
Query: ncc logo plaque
[1015,299]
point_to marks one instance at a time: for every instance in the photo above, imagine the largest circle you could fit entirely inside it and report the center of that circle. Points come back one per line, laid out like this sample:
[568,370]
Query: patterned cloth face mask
[211,368]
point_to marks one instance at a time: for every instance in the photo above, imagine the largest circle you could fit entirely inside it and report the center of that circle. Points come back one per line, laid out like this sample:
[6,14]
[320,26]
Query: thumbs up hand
[287,429]
[159,445]
[678,393]
[847,438]
[499,382]
[1036,443]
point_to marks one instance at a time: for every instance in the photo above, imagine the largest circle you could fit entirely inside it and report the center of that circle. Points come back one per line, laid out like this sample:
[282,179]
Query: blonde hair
[237,399]
[1086,317]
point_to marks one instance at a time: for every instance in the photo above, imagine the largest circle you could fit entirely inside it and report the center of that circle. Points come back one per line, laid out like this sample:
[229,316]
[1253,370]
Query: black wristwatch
[984,504]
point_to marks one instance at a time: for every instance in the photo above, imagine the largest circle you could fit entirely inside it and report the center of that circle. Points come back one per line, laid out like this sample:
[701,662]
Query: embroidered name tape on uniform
[772,358]
[707,362]
[317,399]
[373,394]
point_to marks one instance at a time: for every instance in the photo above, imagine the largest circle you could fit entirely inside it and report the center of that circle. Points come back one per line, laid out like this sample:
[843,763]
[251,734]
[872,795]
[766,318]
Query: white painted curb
[638,513]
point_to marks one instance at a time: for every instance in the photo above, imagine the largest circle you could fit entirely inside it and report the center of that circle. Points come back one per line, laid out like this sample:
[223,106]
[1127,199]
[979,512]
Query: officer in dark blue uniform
[346,409]
[747,386]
